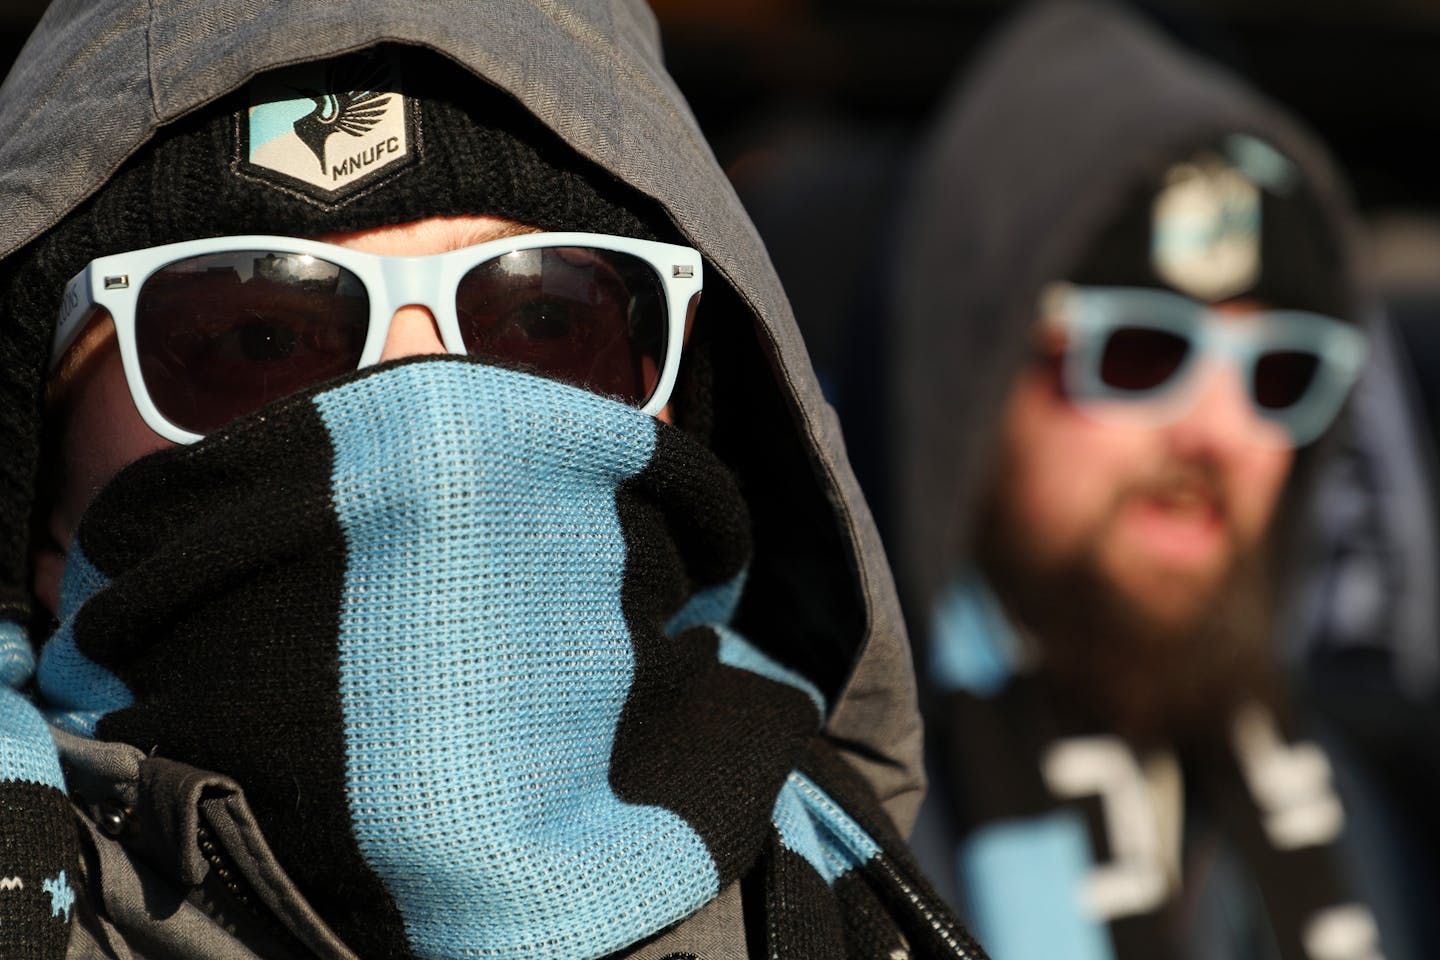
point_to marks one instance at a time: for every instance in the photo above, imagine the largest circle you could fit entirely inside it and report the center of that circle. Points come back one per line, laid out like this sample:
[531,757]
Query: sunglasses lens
[1141,358]
[219,336]
[592,318]
[1283,377]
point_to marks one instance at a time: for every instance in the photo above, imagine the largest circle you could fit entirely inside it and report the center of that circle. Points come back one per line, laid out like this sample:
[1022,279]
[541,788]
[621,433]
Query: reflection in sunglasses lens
[591,318]
[1141,358]
[1282,377]
[220,336]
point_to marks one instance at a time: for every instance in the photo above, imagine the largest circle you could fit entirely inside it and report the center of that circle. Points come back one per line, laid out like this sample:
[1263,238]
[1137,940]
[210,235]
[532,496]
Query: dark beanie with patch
[388,135]
[1229,219]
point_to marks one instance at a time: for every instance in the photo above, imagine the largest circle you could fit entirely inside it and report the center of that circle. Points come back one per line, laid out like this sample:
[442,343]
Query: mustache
[1196,481]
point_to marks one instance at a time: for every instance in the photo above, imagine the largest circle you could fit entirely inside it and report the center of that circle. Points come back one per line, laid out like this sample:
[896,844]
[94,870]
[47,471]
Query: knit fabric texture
[462,635]
[38,852]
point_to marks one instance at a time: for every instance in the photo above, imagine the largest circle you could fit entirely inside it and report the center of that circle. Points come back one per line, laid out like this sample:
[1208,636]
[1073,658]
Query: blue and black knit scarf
[462,636]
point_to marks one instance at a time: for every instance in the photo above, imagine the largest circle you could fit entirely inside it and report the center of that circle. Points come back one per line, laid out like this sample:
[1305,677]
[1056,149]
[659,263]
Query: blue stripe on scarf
[813,825]
[1014,871]
[736,651]
[712,605]
[77,690]
[480,720]
[27,752]
[17,659]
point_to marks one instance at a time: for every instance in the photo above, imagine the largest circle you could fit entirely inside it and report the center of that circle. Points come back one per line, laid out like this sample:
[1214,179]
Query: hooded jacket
[92,86]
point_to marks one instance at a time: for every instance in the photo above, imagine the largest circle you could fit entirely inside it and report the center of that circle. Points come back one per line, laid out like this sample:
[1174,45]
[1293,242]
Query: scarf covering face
[461,633]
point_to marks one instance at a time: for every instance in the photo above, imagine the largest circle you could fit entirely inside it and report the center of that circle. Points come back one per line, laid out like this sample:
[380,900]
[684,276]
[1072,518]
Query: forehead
[430,235]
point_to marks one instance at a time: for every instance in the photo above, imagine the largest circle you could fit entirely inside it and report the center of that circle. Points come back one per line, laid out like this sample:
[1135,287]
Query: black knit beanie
[1242,192]
[357,161]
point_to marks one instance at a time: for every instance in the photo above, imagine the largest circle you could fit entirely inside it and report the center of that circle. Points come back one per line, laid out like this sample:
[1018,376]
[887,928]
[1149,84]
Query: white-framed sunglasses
[211,330]
[1140,347]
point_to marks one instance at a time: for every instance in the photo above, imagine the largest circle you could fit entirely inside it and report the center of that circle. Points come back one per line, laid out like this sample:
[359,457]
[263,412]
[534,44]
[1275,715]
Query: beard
[1135,667]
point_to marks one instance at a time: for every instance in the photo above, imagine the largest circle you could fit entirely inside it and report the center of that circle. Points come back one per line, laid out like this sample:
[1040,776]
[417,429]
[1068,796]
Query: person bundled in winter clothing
[396,561]
[1128,320]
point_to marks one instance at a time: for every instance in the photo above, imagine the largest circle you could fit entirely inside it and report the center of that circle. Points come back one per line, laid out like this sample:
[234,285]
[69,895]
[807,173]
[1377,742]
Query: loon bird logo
[291,138]
[355,111]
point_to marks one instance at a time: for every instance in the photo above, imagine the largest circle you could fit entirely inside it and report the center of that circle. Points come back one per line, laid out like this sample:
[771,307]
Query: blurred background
[811,99]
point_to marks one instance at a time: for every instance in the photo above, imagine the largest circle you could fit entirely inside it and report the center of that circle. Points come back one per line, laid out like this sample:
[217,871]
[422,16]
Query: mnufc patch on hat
[328,130]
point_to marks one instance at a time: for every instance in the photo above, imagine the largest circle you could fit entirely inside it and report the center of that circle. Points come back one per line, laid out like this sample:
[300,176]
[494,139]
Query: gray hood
[1068,110]
[96,80]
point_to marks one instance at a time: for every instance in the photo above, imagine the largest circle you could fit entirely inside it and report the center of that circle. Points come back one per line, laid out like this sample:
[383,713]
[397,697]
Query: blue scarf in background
[1057,837]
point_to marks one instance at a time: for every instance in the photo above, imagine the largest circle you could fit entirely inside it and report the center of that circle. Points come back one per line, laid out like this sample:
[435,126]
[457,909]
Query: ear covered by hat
[388,135]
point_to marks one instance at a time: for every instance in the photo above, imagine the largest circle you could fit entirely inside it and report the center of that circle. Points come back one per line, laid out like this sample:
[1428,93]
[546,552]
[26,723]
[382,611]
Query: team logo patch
[1205,230]
[328,130]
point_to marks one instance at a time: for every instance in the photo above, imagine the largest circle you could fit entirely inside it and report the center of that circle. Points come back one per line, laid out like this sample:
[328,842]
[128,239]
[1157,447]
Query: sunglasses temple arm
[74,308]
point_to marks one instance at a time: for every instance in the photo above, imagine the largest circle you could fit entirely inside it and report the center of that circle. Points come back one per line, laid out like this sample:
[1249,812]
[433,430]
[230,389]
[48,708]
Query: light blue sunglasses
[1139,345]
[212,330]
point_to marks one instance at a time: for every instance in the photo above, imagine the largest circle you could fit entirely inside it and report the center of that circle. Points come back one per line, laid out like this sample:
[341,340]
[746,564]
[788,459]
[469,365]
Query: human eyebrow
[483,233]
